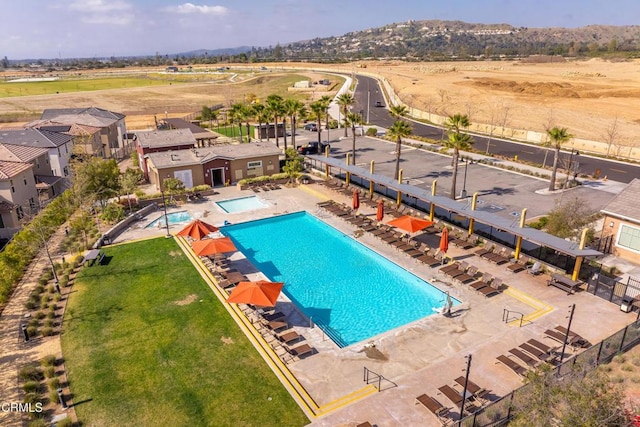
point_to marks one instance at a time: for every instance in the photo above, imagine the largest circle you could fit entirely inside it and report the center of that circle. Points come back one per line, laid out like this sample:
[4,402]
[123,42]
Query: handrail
[334,335]
[376,377]
[505,315]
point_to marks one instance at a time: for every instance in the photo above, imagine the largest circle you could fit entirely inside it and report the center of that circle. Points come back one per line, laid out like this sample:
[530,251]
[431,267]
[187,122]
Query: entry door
[185,176]
[217,177]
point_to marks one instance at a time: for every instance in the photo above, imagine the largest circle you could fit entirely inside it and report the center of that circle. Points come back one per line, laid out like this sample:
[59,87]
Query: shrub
[38,290]
[371,132]
[44,305]
[49,360]
[51,289]
[620,358]
[47,274]
[112,213]
[32,331]
[42,281]
[40,315]
[51,314]
[53,397]
[57,297]
[65,422]
[635,360]
[53,384]
[45,298]
[31,303]
[617,379]
[30,373]
[49,372]
[634,379]
[38,422]
[627,368]
[47,324]
[605,368]
[33,323]
[30,386]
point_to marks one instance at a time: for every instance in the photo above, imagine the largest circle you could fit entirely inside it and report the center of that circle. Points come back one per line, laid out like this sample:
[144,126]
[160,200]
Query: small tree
[558,137]
[129,182]
[569,217]
[398,130]
[353,120]
[173,186]
[458,141]
[293,164]
[345,101]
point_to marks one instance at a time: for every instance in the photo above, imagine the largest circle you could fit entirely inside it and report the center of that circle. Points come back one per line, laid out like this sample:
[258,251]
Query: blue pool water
[173,217]
[241,204]
[348,290]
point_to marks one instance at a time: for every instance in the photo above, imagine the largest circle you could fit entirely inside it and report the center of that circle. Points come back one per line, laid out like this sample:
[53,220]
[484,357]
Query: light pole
[566,336]
[569,169]
[463,193]
[368,104]
[166,218]
[464,389]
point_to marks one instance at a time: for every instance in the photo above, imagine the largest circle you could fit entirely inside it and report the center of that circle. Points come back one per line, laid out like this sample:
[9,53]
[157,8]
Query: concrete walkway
[15,351]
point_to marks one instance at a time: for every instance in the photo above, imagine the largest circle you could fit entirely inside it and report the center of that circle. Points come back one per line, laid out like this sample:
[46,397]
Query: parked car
[311,126]
[379,104]
[313,148]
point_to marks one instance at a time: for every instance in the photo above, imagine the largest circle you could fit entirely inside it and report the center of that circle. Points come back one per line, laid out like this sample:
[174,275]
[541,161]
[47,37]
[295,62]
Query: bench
[100,258]
[564,283]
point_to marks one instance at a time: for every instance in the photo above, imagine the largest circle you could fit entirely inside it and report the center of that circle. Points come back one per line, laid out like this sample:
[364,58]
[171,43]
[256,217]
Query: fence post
[599,352]
[624,335]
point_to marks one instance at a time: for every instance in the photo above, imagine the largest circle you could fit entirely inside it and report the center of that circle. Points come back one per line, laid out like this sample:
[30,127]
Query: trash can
[627,304]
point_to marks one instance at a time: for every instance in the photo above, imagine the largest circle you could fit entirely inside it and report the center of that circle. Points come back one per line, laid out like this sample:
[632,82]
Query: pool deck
[426,354]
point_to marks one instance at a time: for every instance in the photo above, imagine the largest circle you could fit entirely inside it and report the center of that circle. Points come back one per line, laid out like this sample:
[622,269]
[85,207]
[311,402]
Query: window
[629,238]
[66,171]
[20,212]
[13,189]
[24,180]
[255,164]
[32,204]
[1,222]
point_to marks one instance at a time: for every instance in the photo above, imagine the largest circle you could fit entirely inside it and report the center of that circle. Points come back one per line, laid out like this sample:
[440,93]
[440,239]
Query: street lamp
[464,390]
[166,218]
[463,193]
[570,168]
[566,336]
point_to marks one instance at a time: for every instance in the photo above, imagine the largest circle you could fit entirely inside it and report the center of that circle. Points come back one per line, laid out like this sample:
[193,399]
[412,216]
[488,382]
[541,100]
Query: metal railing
[371,377]
[506,316]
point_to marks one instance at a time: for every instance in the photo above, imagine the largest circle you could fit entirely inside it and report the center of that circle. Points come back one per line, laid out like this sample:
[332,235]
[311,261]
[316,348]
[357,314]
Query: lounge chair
[560,337]
[483,251]
[452,395]
[276,325]
[432,405]
[518,369]
[575,338]
[290,336]
[518,265]
[462,269]
[500,257]
[528,360]
[493,289]
[301,350]
[483,283]
[276,315]
[428,259]
[473,388]
[463,242]
[541,346]
[542,356]
[468,276]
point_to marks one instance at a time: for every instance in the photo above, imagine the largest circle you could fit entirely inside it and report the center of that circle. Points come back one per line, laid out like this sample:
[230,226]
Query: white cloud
[100,6]
[188,8]
[112,12]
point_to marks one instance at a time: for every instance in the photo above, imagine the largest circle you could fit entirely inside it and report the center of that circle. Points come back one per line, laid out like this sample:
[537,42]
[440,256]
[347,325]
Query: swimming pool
[173,218]
[350,291]
[242,204]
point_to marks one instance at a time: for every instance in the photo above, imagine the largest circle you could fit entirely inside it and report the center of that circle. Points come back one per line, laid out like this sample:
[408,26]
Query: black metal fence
[501,411]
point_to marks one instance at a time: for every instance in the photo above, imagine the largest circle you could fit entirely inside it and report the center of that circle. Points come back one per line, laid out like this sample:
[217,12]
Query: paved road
[369,88]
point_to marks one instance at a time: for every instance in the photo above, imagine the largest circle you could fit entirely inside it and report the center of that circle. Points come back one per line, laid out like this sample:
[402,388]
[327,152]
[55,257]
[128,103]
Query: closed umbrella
[356,199]
[213,246]
[380,211]
[198,230]
[262,293]
[444,240]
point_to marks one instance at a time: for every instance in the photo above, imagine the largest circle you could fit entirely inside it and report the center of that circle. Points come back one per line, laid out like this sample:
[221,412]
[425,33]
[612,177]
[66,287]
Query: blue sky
[88,28]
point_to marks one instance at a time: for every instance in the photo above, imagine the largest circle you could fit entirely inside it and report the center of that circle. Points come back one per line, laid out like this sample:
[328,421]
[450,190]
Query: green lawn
[79,85]
[136,357]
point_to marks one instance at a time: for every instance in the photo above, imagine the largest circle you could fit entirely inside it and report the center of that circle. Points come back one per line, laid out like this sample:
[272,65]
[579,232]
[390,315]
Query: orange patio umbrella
[356,199]
[444,240]
[380,211]
[260,293]
[410,223]
[213,246]
[198,230]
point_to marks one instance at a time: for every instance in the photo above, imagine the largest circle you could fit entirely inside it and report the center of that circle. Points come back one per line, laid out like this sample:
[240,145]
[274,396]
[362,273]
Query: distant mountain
[215,52]
[436,39]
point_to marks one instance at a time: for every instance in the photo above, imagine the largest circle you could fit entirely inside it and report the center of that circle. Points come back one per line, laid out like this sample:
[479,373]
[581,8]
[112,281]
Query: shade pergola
[465,210]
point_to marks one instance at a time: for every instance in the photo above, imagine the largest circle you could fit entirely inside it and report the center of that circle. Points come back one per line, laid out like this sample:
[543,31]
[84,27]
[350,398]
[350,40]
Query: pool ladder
[506,316]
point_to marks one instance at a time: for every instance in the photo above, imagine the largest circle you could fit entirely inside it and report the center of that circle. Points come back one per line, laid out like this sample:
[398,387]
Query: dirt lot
[584,96]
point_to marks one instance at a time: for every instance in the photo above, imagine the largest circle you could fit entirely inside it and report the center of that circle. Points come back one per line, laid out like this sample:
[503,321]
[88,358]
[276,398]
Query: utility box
[627,304]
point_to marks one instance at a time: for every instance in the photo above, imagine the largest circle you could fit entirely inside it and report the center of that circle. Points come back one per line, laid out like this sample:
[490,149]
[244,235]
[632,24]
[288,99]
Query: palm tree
[458,141]
[398,130]
[326,101]
[237,113]
[398,111]
[558,137]
[294,109]
[353,120]
[345,101]
[317,111]
[258,112]
[275,105]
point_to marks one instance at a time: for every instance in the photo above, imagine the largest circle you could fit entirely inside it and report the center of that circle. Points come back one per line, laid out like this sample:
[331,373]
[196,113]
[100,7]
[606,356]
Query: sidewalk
[16,352]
